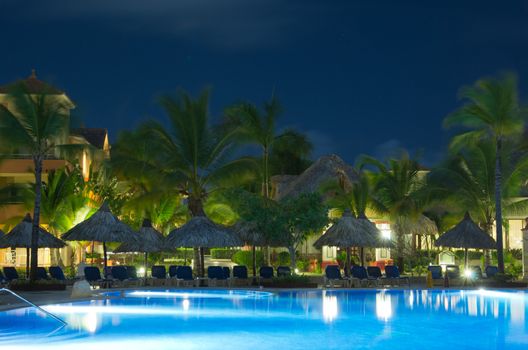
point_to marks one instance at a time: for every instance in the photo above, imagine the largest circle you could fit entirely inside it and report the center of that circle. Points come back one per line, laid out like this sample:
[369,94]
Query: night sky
[356,76]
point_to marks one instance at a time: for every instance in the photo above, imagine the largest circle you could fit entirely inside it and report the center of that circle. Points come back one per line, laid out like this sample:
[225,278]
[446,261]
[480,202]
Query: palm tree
[491,111]
[466,181]
[190,156]
[290,154]
[36,124]
[398,188]
[63,203]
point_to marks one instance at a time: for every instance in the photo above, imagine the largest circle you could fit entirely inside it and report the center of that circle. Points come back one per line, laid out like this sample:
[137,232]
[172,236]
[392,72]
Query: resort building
[17,168]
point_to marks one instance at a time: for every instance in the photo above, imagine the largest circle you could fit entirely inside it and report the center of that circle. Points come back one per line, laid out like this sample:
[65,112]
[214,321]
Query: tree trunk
[498,204]
[291,250]
[27,262]
[37,161]
[400,247]
[195,206]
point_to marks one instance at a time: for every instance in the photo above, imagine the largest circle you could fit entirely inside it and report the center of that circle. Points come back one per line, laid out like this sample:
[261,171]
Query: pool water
[318,319]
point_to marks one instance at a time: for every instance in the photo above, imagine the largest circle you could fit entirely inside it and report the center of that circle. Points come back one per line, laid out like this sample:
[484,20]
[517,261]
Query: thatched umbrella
[149,240]
[326,168]
[466,234]
[200,232]
[103,226]
[249,233]
[20,237]
[350,231]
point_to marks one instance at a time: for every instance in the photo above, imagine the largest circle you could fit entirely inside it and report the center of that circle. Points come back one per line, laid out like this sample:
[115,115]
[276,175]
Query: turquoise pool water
[217,319]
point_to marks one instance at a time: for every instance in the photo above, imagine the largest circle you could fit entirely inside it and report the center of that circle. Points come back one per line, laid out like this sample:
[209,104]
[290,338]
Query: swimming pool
[318,319]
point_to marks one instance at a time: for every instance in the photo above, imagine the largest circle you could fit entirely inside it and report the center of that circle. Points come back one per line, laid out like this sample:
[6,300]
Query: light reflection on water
[309,319]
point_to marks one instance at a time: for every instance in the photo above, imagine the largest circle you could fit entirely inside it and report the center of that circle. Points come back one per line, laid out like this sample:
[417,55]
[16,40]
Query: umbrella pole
[146,269]
[466,258]
[254,261]
[362,255]
[105,261]
[347,262]
[202,262]
[27,262]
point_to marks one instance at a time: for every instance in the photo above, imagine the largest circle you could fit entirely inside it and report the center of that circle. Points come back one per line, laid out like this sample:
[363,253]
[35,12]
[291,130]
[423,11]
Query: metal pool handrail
[35,306]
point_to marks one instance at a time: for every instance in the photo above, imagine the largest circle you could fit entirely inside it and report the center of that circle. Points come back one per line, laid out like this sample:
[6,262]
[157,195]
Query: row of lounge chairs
[10,274]
[452,272]
[180,276]
[364,276]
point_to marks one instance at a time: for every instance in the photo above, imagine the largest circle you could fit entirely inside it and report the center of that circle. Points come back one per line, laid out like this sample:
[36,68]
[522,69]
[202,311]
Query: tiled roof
[32,85]
[95,136]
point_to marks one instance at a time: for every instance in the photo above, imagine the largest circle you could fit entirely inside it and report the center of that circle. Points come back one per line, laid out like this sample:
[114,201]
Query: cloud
[227,23]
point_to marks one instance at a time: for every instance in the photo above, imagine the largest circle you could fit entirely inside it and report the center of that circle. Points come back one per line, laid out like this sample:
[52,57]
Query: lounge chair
[216,275]
[3,280]
[265,273]
[392,273]
[360,276]
[436,273]
[158,275]
[333,276]
[172,271]
[184,276]
[476,272]
[42,274]
[11,274]
[132,274]
[283,271]
[240,274]
[491,271]
[227,272]
[123,278]
[93,276]
[57,274]
[374,273]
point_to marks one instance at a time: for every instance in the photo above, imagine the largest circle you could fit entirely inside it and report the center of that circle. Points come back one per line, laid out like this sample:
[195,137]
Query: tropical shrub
[245,257]
[223,253]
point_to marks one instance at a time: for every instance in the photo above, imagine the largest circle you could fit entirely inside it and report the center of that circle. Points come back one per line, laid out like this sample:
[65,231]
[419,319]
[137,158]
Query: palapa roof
[202,232]
[103,226]
[350,231]
[20,236]
[94,136]
[421,226]
[329,167]
[32,85]
[148,240]
[466,234]
[248,233]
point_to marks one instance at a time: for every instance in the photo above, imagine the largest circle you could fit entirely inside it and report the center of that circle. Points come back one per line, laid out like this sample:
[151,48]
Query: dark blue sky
[357,76]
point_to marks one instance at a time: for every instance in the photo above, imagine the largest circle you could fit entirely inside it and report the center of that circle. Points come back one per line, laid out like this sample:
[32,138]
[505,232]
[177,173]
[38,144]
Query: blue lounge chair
[172,271]
[491,271]
[57,273]
[121,276]
[42,274]
[360,276]
[227,272]
[131,272]
[93,276]
[10,274]
[436,272]
[452,272]
[476,272]
[265,273]
[158,274]
[184,276]
[392,273]
[374,273]
[240,275]
[215,274]
[333,276]
[283,271]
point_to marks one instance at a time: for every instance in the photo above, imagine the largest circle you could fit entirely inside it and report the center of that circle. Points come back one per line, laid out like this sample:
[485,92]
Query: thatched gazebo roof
[103,226]
[200,232]
[149,240]
[20,236]
[421,226]
[466,234]
[249,233]
[350,231]
[329,167]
